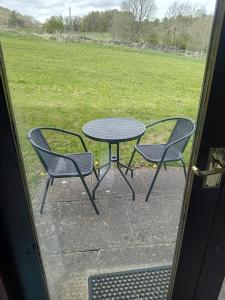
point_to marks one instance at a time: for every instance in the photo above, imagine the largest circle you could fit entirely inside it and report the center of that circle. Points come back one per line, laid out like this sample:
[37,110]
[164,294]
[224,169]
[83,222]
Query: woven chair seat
[61,167]
[153,153]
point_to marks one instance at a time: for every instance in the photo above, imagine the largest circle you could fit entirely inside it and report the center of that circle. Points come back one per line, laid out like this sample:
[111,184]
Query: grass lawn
[67,84]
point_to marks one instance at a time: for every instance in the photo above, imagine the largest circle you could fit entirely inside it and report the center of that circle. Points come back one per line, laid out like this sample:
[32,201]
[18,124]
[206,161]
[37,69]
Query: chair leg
[45,194]
[131,159]
[52,180]
[153,182]
[89,194]
[165,166]
[184,167]
[96,175]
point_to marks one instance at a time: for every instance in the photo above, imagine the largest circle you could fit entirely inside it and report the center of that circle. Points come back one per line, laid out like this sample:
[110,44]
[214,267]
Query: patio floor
[76,243]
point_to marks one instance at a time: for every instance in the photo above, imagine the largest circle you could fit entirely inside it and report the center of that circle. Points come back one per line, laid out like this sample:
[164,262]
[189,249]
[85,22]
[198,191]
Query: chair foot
[128,183]
[95,207]
[96,174]
[153,182]
[93,203]
[45,194]
[129,164]
[89,195]
[184,168]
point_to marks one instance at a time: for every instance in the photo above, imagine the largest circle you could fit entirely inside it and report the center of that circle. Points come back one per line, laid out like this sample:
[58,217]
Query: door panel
[20,261]
[201,210]
[199,259]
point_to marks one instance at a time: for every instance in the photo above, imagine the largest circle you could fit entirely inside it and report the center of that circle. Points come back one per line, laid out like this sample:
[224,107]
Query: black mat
[143,284]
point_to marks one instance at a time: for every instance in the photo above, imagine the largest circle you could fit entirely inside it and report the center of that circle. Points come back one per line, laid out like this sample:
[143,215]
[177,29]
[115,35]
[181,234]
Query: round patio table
[114,131]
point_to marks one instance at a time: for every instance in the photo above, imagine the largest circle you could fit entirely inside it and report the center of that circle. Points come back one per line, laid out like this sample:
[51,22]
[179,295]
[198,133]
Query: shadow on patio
[75,242]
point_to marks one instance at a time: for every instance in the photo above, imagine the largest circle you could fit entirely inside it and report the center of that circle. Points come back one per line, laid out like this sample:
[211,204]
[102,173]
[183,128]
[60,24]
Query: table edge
[113,141]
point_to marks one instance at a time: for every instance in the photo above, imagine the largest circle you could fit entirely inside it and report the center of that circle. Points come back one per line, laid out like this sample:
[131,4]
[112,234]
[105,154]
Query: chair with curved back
[171,151]
[61,166]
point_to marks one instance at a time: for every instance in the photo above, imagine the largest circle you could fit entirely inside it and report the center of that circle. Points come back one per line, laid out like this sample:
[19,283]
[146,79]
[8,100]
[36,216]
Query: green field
[67,84]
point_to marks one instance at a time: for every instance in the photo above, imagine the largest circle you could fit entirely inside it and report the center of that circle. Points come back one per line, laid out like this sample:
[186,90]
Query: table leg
[128,168]
[101,167]
[107,170]
[121,172]
[95,172]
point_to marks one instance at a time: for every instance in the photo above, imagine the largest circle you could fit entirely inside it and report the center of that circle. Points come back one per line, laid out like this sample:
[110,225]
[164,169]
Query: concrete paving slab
[76,243]
[64,189]
[114,185]
[67,274]
[48,226]
[132,257]
[36,194]
[80,230]
[171,180]
[155,221]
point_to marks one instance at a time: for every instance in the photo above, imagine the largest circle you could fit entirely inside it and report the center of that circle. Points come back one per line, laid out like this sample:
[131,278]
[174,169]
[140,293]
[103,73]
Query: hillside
[26,21]
[4,15]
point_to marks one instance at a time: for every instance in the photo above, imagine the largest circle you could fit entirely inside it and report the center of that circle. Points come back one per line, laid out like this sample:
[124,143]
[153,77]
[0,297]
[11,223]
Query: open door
[21,271]
[199,264]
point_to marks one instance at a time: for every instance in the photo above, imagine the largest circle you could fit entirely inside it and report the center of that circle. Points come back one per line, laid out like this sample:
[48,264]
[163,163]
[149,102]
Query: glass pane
[68,71]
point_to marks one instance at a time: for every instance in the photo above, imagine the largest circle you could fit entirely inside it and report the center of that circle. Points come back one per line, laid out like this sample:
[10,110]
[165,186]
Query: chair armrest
[68,132]
[156,123]
[161,121]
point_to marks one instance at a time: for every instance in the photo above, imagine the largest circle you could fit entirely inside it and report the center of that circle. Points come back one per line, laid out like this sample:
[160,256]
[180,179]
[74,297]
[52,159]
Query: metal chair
[60,166]
[168,152]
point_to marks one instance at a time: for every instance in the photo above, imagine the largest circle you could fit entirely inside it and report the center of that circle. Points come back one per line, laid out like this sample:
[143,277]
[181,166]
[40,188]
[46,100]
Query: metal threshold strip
[142,284]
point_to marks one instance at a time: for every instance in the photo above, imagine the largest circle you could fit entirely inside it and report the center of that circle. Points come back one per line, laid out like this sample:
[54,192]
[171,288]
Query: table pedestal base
[114,159]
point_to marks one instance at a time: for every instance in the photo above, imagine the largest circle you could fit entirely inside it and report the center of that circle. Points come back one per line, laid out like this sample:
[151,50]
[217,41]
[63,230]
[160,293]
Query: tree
[107,20]
[178,8]
[67,23]
[179,16]
[14,21]
[91,22]
[97,21]
[199,33]
[121,25]
[54,25]
[151,32]
[139,10]
[76,23]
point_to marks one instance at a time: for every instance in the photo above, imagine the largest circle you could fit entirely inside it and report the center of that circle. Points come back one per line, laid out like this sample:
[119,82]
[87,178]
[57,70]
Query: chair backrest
[183,127]
[39,145]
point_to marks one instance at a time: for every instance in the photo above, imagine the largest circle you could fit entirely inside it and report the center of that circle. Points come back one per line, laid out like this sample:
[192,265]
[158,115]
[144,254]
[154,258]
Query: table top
[114,130]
